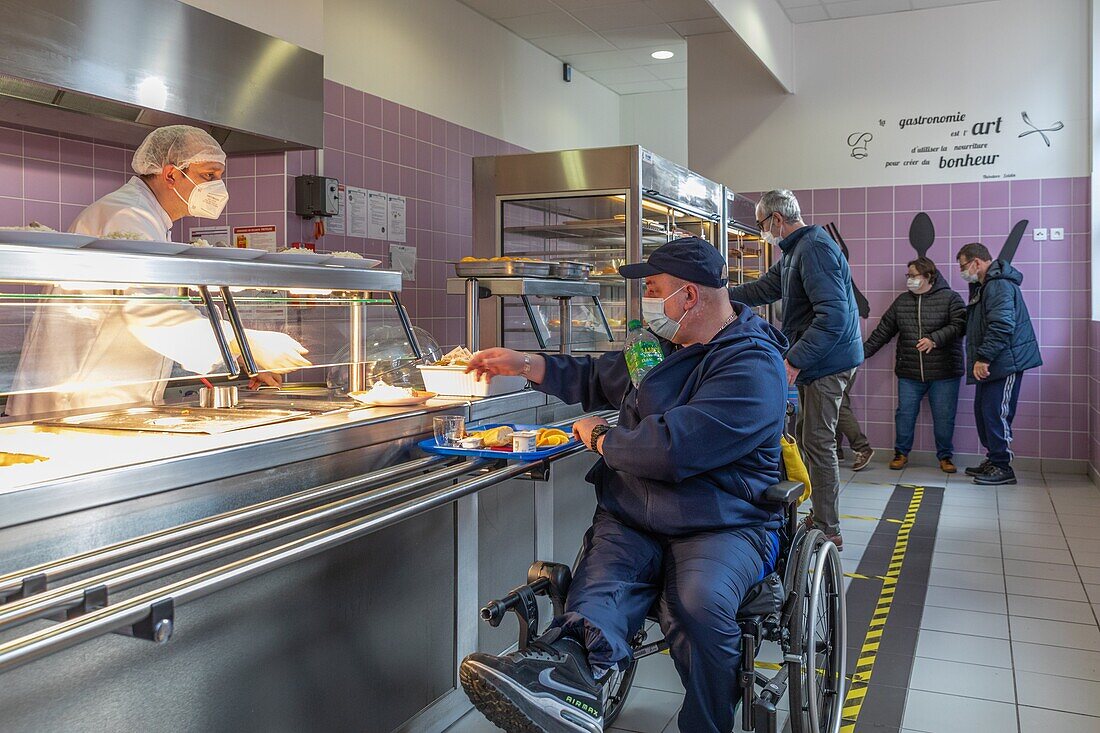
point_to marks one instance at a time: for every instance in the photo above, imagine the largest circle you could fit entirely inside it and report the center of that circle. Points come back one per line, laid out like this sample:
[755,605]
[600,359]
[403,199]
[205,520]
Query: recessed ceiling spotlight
[662,55]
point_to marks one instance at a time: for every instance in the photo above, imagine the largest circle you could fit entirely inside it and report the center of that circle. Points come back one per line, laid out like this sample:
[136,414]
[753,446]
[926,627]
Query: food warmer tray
[570,270]
[502,268]
[177,419]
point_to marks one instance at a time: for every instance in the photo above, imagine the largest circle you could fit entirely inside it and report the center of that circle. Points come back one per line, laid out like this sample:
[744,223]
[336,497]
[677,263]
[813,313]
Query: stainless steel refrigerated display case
[603,207]
[748,255]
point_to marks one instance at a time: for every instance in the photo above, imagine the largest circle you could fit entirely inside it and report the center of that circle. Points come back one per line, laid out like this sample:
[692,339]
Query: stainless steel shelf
[26,263]
[517,286]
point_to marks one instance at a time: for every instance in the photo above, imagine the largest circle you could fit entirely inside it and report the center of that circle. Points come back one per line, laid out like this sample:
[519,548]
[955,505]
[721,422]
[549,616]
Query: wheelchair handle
[494,611]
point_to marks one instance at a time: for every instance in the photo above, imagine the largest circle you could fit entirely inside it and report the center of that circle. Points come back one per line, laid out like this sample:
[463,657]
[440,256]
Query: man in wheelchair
[680,521]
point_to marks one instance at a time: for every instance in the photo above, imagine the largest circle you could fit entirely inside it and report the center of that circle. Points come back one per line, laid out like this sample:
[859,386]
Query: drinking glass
[449,429]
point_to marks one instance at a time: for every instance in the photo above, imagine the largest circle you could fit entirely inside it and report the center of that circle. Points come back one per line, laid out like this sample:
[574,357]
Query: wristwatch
[526,365]
[596,433]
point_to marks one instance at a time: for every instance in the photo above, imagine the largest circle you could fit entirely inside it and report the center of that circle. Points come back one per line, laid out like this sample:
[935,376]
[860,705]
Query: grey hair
[783,202]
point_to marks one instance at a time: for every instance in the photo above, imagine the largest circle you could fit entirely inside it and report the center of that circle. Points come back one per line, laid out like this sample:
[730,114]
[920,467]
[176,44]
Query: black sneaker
[996,476]
[979,469]
[547,688]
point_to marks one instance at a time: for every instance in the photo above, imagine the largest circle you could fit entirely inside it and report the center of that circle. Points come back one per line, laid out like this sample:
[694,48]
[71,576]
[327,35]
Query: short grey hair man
[783,202]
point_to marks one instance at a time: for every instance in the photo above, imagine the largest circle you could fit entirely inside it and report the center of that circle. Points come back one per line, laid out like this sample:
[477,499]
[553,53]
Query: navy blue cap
[691,258]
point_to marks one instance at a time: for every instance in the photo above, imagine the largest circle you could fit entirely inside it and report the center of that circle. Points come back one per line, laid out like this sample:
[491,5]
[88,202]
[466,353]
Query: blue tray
[429,446]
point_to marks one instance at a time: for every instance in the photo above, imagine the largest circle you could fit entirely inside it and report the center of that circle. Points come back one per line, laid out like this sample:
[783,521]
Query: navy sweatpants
[704,578]
[994,408]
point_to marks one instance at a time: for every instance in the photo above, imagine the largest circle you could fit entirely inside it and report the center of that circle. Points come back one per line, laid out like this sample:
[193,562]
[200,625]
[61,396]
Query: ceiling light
[662,55]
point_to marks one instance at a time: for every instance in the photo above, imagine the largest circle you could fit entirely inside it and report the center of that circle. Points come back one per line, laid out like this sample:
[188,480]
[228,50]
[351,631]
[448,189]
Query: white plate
[418,399]
[225,253]
[45,239]
[140,246]
[305,257]
[361,264]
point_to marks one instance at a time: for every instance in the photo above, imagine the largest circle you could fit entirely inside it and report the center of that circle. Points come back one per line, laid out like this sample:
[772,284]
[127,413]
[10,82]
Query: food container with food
[506,451]
[570,270]
[453,381]
[523,441]
[502,268]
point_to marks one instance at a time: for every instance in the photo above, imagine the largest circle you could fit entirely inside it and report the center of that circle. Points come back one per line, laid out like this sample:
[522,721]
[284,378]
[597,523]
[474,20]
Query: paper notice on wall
[395,214]
[357,211]
[336,224]
[257,237]
[403,259]
[214,236]
[377,215]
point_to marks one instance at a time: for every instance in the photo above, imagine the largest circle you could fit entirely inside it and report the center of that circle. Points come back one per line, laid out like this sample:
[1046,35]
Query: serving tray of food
[498,440]
[501,267]
[567,270]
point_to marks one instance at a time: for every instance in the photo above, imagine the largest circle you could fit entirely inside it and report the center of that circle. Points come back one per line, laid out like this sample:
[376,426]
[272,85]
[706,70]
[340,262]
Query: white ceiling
[611,40]
[808,11]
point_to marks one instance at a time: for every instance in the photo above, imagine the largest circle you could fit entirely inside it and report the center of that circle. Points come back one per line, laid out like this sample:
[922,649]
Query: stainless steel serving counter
[361,634]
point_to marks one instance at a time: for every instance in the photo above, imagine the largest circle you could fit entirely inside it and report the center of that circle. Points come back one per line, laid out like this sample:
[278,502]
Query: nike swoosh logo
[547,681]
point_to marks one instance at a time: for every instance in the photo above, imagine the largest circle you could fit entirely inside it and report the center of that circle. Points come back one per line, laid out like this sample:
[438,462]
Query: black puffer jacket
[940,315]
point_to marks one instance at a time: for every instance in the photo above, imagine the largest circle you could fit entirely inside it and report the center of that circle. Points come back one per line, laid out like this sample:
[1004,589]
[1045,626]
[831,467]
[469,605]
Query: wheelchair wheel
[616,691]
[817,637]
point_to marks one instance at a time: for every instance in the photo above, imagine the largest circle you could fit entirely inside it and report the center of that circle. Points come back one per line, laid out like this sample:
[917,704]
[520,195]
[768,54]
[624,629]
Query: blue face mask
[653,311]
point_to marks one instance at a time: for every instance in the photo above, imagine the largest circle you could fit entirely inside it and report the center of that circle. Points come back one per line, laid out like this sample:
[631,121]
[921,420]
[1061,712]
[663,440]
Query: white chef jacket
[86,355]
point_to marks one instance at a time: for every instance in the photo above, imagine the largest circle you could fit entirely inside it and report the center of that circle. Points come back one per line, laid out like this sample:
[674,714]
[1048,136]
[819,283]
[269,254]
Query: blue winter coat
[698,442]
[998,326]
[820,318]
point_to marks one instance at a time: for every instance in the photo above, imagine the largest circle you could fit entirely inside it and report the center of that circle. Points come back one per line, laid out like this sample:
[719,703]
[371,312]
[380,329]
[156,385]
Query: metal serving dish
[176,419]
[570,270]
[502,268]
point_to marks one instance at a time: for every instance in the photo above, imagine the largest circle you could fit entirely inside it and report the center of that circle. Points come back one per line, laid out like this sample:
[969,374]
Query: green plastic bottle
[642,352]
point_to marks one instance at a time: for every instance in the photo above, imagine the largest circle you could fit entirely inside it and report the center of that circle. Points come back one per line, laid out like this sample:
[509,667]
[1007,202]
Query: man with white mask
[122,352]
[680,515]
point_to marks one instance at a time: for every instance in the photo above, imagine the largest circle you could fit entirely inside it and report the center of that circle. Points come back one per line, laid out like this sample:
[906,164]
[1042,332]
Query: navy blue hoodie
[698,442]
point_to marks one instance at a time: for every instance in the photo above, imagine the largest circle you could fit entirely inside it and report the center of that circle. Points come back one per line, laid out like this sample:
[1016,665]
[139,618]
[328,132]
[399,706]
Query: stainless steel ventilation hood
[113,70]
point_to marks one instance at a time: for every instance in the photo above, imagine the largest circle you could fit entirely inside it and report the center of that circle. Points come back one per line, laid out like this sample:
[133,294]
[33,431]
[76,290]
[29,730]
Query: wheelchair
[800,606]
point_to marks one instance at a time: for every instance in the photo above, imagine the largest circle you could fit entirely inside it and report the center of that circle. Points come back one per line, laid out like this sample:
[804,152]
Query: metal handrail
[55,570]
[135,610]
[106,584]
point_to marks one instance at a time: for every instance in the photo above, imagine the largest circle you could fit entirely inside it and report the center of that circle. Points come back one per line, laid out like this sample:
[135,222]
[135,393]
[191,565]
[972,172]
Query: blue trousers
[943,398]
[994,408]
[698,582]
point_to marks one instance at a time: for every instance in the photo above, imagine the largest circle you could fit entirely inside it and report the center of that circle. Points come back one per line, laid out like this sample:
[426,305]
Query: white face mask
[207,199]
[968,276]
[653,311]
[768,237]
[915,284]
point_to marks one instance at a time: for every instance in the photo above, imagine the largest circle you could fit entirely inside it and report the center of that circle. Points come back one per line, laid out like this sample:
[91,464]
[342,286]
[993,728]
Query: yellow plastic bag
[794,465]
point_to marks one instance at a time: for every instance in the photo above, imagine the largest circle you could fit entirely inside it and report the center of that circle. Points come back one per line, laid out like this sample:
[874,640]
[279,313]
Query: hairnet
[178,145]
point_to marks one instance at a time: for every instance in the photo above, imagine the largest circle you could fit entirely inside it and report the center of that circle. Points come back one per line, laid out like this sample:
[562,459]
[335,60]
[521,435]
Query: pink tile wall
[1053,419]
[1094,394]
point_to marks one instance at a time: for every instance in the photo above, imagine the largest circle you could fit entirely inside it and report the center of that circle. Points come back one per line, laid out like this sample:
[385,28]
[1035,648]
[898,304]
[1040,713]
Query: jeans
[943,398]
[847,426]
[994,408]
[819,403]
[698,581]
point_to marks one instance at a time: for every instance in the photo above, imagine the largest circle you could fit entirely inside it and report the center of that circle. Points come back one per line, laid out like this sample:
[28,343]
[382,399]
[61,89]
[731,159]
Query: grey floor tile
[1021,515]
[1055,633]
[958,678]
[1089,576]
[968,535]
[968,547]
[967,580]
[1034,540]
[1093,592]
[473,722]
[1052,530]
[1040,588]
[1058,693]
[1052,660]
[657,672]
[965,649]
[648,711]
[1042,570]
[965,622]
[1073,519]
[1037,554]
[966,600]
[972,563]
[1053,721]
[931,712]
[1087,559]
[1083,531]
[1078,545]
[1053,610]
[970,523]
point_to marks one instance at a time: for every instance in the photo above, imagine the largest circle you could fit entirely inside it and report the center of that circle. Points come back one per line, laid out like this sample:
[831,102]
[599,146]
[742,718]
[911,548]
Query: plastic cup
[449,429]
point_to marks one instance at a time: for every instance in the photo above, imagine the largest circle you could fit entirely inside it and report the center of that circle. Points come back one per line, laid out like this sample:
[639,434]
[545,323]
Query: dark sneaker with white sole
[996,476]
[863,459]
[546,688]
[979,469]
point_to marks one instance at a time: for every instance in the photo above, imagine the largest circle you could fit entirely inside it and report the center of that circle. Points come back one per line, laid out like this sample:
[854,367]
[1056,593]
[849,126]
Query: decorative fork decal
[1041,130]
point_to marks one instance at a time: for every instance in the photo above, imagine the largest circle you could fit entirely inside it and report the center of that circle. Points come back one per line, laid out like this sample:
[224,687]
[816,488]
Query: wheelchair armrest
[784,492]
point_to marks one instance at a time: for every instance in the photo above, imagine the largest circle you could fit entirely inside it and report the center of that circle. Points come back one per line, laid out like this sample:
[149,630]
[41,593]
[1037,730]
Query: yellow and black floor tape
[865,666]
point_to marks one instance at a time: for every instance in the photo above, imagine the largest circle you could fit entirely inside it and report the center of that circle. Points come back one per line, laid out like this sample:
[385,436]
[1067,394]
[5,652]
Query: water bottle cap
[634,324]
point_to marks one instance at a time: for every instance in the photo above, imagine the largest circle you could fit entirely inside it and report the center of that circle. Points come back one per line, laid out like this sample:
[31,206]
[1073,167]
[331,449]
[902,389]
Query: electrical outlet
[1057,234]
[1039,235]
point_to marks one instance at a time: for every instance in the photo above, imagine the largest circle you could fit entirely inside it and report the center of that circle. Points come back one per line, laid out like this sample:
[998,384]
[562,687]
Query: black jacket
[940,315]
[820,319]
[998,326]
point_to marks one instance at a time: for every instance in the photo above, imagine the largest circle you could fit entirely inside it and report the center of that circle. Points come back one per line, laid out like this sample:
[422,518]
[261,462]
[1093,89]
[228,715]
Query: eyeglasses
[964,266]
[760,223]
